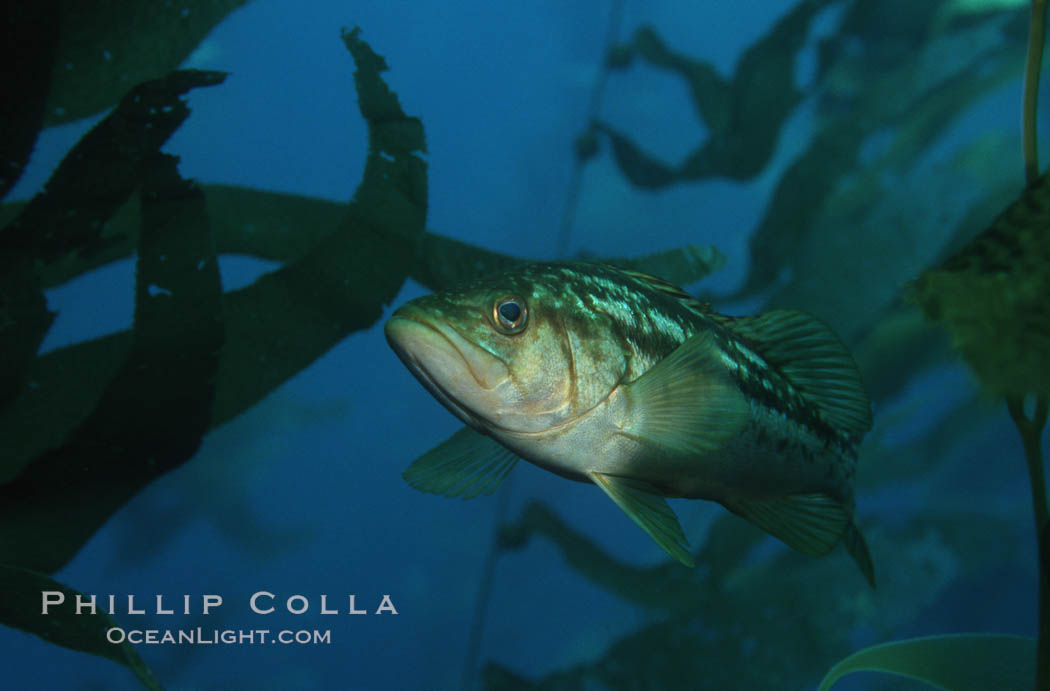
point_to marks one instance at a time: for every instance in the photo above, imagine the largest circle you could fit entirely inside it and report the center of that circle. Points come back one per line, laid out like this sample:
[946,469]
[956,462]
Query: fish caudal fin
[858,549]
[810,523]
[687,403]
[650,511]
[466,465]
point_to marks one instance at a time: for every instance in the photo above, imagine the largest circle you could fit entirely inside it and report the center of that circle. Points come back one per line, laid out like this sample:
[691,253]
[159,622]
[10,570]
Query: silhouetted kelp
[89,425]
[743,115]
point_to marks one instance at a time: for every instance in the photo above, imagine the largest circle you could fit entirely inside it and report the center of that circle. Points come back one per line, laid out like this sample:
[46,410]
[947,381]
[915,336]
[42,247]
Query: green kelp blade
[678,266]
[104,46]
[20,608]
[467,464]
[956,662]
[991,296]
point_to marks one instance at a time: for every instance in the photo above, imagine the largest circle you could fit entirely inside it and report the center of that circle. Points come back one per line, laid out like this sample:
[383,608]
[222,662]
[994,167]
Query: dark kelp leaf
[104,47]
[284,227]
[899,335]
[826,205]
[153,412]
[24,320]
[771,621]
[268,225]
[29,36]
[641,169]
[885,463]
[90,184]
[992,297]
[279,227]
[342,284]
[743,116]
[679,266]
[956,662]
[864,226]
[291,229]
[98,175]
[20,608]
[339,286]
[441,263]
[318,304]
[665,586]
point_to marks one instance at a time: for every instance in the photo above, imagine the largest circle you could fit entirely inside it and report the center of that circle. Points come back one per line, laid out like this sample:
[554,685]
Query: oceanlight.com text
[202,636]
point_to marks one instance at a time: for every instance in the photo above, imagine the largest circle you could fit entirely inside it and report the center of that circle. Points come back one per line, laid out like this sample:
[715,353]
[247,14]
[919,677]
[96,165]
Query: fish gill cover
[889,184]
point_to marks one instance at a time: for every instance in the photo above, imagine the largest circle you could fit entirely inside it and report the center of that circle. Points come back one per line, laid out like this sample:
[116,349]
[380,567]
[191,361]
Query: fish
[620,379]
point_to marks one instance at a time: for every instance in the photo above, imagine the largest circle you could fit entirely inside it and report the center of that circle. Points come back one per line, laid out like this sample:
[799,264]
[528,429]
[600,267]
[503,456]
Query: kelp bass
[620,379]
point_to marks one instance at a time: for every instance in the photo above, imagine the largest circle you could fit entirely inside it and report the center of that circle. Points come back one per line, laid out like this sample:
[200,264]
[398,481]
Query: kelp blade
[64,625]
[959,662]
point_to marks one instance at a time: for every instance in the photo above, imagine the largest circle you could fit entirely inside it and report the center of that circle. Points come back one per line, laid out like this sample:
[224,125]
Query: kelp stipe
[991,296]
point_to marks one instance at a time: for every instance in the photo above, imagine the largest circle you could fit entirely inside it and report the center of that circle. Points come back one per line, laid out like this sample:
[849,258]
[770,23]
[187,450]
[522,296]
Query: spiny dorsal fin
[814,360]
[466,465]
[687,403]
[658,284]
[649,510]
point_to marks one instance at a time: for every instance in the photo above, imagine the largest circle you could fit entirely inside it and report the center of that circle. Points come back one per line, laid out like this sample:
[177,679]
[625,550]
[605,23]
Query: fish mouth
[445,363]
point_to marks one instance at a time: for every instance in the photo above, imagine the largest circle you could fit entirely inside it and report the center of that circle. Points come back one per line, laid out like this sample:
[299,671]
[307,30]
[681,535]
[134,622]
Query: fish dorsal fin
[809,523]
[658,284]
[649,510]
[687,403]
[814,360]
[466,465]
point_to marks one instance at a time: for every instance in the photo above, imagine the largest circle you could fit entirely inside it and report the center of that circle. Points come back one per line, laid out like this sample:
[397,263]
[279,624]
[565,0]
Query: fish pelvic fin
[809,354]
[649,510]
[687,403]
[467,464]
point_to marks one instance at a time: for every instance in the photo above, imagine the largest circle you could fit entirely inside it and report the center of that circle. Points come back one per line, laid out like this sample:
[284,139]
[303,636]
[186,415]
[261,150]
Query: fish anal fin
[467,464]
[687,403]
[649,510]
[809,354]
[809,523]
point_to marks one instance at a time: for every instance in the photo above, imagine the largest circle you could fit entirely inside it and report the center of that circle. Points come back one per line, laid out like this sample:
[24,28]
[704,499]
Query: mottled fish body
[616,378]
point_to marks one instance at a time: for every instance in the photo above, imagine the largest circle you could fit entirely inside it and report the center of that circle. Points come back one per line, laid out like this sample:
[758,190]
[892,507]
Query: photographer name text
[261,602]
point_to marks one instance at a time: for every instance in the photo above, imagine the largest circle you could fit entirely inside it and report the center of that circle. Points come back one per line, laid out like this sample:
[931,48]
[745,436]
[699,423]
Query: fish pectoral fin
[687,403]
[814,360]
[466,465]
[809,523]
[649,510]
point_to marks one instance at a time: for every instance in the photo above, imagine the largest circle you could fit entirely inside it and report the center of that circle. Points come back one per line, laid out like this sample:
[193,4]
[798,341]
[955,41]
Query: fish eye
[509,313]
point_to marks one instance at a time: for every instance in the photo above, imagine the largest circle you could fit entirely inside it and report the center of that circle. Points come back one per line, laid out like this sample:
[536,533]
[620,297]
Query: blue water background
[303,493]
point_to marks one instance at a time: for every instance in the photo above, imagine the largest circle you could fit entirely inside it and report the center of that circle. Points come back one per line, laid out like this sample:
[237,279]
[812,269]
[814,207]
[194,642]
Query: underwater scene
[474,345]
